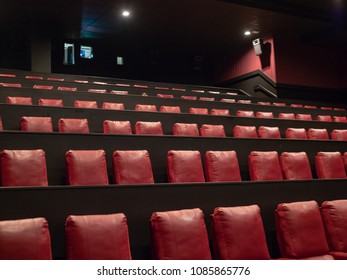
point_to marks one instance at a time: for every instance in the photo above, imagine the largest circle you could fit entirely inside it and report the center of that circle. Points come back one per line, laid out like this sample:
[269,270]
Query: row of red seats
[303,232]
[88,167]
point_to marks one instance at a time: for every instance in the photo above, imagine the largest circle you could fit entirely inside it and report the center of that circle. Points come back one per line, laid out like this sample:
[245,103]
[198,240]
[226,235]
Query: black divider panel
[140,201]
[11,115]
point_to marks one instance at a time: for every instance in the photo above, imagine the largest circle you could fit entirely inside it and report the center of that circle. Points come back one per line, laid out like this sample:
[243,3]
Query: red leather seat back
[300,230]
[113,106]
[184,167]
[145,107]
[97,237]
[10,85]
[339,119]
[220,112]
[170,109]
[23,168]
[179,235]
[228,100]
[19,100]
[304,117]
[297,105]
[25,239]
[132,167]
[201,111]
[36,124]
[51,102]
[185,129]
[117,127]
[73,125]
[243,131]
[296,133]
[280,104]
[334,214]
[339,134]
[310,106]
[161,95]
[119,92]
[241,113]
[206,98]
[324,118]
[318,134]
[86,167]
[295,166]
[85,104]
[239,233]
[188,97]
[93,90]
[264,103]
[222,166]
[269,132]
[43,87]
[242,101]
[267,115]
[211,130]
[264,166]
[330,165]
[67,88]
[287,116]
[149,128]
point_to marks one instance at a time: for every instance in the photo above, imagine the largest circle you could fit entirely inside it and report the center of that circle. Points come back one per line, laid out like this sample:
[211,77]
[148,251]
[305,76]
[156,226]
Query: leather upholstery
[220,112]
[23,168]
[222,166]
[165,95]
[67,88]
[117,127]
[287,116]
[119,92]
[304,117]
[339,134]
[97,237]
[281,104]
[25,239]
[43,87]
[239,233]
[300,230]
[318,134]
[330,165]
[264,103]
[295,166]
[296,133]
[113,106]
[296,105]
[86,167]
[132,167]
[93,90]
[269,132]
[324,118]
[34,77]
[326,108]
[241,113]
[189,97]
[339,119]
[19,100]
[310,107]
[184,167]
[36,124]
[185,129]
[149,128]
[201,111]
[179,235]
[51,102]
[242,101]
[145,107]
[228,100]
[85,104]
[243,131]
[10,85]
[264,166]
[206,98]
[170,109]
[212,130]
[268,115]
[73,125]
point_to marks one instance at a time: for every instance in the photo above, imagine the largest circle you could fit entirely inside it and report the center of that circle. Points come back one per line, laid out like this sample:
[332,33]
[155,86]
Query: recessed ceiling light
[125,13]
[247,33]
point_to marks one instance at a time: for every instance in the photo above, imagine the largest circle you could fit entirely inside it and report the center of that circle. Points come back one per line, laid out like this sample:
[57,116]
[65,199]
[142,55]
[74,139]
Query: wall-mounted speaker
[257,45]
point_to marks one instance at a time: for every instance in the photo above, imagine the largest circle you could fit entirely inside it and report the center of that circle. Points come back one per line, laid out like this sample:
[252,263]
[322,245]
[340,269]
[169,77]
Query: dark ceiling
[210,25]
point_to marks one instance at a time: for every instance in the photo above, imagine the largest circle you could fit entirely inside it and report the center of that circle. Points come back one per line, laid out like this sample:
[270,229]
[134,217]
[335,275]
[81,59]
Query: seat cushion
[149,128]
[212,130]
[330,165]
[73,125]
[117,127]
[295,166]
[264,166]
[242,131]
[185,129]
[36,124]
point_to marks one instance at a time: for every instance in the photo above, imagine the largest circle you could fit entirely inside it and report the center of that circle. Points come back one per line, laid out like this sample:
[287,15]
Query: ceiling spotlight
[247,33]
[125,13]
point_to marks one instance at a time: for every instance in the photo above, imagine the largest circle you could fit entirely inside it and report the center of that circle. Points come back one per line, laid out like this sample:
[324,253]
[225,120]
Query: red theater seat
[184,167]
[339,134]
[119,92]
[264,103]
[161,95]
[93,90]
[242,101]
[206,98]
[55,79]
[334,214]
[132,167]
[185,129]
[339,119]
[149,128]
[201,111]
[326,108]
[324,118]
[280,104]
[25,239]
[36,124]
[117,127]
[73,125]
[330,165]
[67,88]
[228,100]
[43,87]
[295,166]
[97,237]
[286,116]
[267,115]
[179,235]
[310,107]
[241,113]
[7,75]
[23,168]
[145,107]
[239,233]
[222,166]
[264,166]
[170,109]
[10,85]
[220,112]
[113,106]
[318,134]
[297,105]
[243,131]
[339,109]
[300,231]
[51,102]
[296,133]
[86,167]
[34,77]
[211,130]
[189,97]
[85,104]
[303,117]
[19,100]
[269,132]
